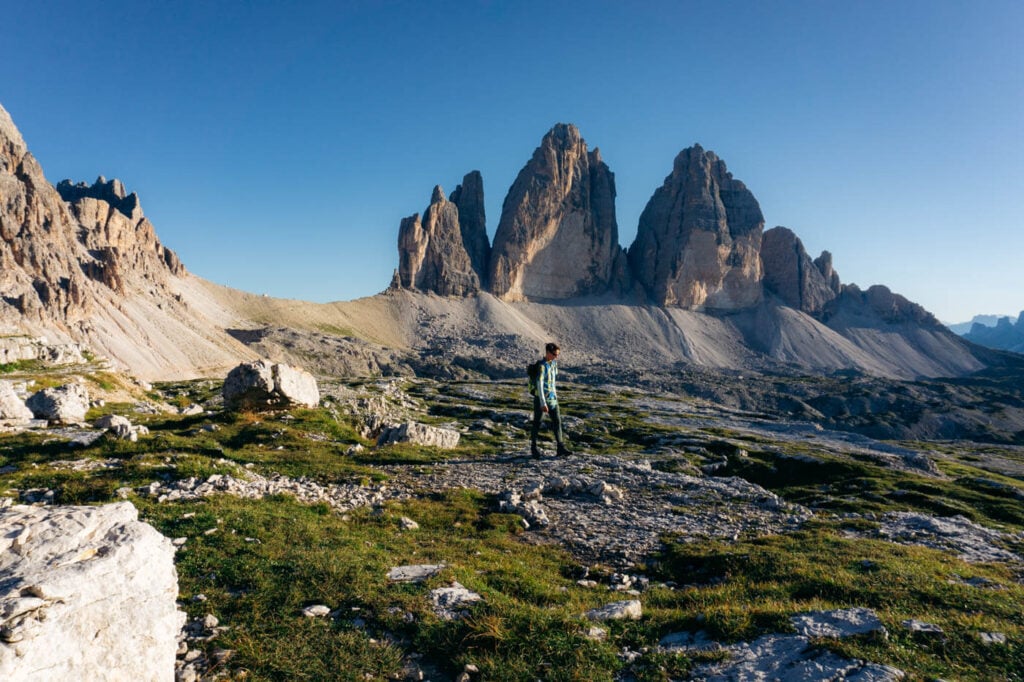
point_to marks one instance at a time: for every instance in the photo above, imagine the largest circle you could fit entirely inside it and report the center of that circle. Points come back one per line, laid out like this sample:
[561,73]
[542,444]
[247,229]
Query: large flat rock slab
[86,593]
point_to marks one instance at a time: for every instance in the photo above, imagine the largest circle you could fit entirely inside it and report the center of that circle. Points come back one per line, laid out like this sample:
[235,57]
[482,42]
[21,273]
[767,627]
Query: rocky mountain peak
[112,192]
[432,253]
[558,237]
[699,238]
[53,249]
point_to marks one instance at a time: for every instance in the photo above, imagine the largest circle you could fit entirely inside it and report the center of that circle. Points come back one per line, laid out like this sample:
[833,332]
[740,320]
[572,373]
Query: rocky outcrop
[63,404]
[1005,335]
[558,237]
[791,274]
[432,252]
[419,434]
[262,384]
[91,595]
[117,234]
[699,238]
[12,407]
[882,304]
[469,199]
[87,268]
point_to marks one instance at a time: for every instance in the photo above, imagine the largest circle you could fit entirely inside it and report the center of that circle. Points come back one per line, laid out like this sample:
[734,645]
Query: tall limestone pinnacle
[558,237]
[469,199]
[432,253]
[699,238]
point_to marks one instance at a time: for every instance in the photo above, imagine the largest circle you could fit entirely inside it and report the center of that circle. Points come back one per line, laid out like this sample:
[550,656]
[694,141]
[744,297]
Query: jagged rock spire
[558,237]
[699,238]
[432,256]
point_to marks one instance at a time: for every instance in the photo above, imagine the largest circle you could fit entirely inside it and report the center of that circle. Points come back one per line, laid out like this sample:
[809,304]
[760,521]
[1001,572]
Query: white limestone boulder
[12,407]
[65,404]
[88,594]
[265,384]
[419,434]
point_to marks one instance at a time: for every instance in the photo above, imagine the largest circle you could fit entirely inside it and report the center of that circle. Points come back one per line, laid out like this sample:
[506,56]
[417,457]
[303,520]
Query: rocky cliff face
[791,274]
[432,252]
[117,234]
[83,264]
[558,237]
[40,255]
[55,246]
[699,238]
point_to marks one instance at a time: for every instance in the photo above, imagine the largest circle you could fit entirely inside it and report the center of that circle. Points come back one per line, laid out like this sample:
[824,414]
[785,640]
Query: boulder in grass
[620,610]
[262,384]
[419,434]
[12,407]
[64,404]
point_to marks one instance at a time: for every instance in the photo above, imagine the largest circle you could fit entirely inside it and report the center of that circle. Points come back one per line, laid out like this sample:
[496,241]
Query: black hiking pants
[556,422]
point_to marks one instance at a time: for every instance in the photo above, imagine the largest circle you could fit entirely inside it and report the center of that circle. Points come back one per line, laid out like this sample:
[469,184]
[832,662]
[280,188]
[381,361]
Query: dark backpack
[533,373]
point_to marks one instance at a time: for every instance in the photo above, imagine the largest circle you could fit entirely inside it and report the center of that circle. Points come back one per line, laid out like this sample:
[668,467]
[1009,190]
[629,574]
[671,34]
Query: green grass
[20,366]
[528,622]
[751,588]
[529,625]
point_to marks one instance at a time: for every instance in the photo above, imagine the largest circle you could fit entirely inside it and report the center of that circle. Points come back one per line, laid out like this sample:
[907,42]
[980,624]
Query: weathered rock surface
[791,274]
[64,404]
[432,253]
[791,657]
[450,603]
[341,497]
[121,427]
[620,610]
[12,406]
[699,238]
[414,573]
[959,534]
[558,236]
[571,500]
[90,594]
[89,269]
[17,348]
[419,434]
[262,383]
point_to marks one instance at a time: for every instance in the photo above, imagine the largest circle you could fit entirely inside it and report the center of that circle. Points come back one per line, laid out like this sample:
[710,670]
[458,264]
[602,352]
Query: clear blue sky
[276,146]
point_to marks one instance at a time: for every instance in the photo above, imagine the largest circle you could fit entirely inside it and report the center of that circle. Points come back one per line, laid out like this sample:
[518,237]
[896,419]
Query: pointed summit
[432,255]
[558,237]
[699,238]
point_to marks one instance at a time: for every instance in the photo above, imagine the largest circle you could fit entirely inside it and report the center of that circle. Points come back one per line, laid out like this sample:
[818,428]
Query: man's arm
[542,387]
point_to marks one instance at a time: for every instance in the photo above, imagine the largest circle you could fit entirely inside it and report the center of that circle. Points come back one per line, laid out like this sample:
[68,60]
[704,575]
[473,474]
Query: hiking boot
[535,451]
[563,451]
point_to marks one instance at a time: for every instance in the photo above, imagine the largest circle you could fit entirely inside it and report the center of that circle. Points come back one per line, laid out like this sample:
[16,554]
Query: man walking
[545,401]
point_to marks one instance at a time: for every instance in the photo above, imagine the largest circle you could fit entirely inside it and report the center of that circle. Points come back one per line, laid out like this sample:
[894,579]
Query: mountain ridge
[86,265]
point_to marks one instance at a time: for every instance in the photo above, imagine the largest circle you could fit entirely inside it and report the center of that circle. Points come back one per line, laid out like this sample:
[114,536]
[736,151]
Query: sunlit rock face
[699,238]
[57,243]
[558,237]
[432,255]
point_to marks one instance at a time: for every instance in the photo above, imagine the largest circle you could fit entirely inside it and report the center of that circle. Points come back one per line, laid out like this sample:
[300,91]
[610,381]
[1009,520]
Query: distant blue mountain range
[993,331]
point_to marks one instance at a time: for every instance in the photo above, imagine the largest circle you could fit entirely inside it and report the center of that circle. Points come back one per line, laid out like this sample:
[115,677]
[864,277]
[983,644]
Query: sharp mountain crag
[702,285]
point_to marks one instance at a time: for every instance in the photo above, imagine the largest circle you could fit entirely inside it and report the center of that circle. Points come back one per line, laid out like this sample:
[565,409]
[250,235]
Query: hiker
[545,398]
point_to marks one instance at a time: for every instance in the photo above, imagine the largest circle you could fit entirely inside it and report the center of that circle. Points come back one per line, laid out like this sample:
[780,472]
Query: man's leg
[534,450]
[556,426]
[556,423]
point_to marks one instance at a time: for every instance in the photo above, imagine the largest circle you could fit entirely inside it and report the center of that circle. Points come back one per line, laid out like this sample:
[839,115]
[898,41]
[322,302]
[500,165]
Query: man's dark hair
[551,348]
